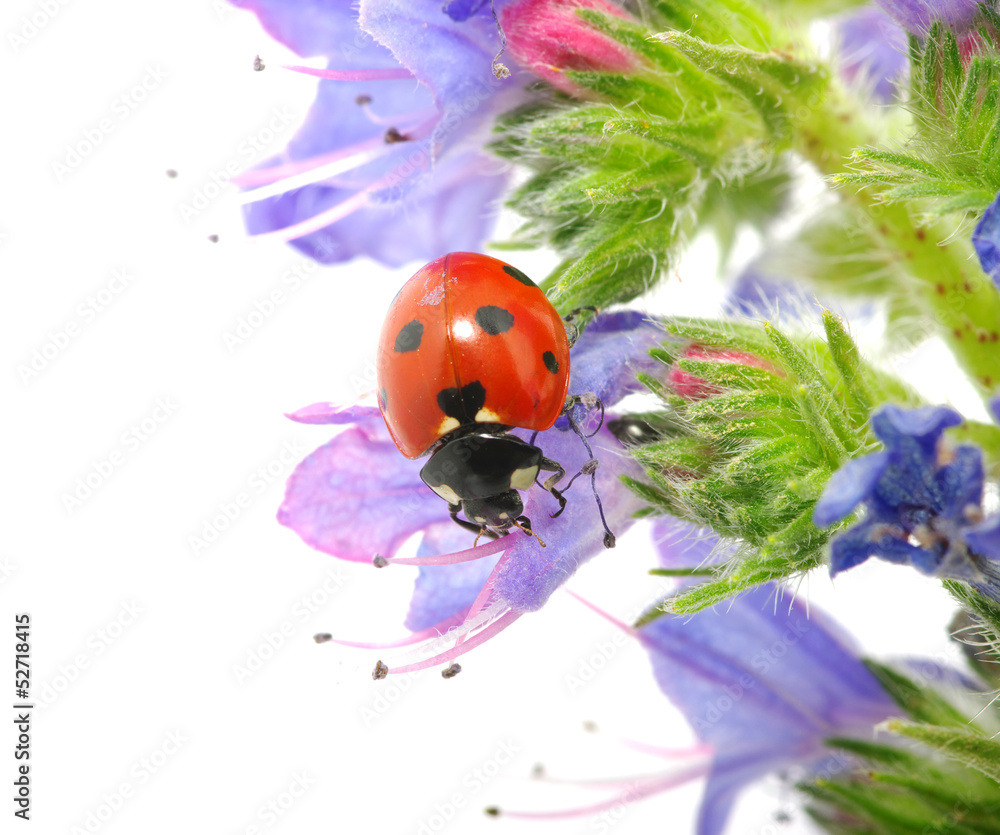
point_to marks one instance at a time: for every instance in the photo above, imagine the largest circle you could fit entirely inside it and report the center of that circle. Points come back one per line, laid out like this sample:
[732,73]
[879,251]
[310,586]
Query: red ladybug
[471,348]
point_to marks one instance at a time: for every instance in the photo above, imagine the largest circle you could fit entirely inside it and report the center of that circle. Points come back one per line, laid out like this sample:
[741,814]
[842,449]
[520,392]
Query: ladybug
[470,349]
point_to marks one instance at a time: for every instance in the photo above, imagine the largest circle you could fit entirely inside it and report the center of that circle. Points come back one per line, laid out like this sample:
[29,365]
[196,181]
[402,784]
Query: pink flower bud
[692,387]
[549,37]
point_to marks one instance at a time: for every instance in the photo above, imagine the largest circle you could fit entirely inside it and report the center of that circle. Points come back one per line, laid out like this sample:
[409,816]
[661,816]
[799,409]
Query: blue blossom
[389,160]
[358,496]
[986,240]
[923,501]
[756,292]
[872,51]
[764,683]
[916,16]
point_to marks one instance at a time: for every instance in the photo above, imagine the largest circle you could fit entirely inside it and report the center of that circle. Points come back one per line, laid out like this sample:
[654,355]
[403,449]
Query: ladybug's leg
[554,467]
[590,468]
[589,401]
[573,330]
[453,509]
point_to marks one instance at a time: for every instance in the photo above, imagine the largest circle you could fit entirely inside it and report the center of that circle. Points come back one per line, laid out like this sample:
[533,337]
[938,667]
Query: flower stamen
[468,555]
[391,74]
[490,631]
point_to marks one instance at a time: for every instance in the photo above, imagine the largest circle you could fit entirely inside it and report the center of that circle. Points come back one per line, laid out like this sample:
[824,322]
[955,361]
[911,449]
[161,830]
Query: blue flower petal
[463,9]
[986,240]
[357,496]
[984,538]
[895,425]
[994,406]
[871,539]
[849,486]
[608,356]
[335,413]
[309,27]
[850,548]
[872,51]
[398,201]
[452,210]
[680,544]
[911,437]
[764,683]
[452,57]
[916,16]
[445,590]
[531,573]
[755,293]
[960,481]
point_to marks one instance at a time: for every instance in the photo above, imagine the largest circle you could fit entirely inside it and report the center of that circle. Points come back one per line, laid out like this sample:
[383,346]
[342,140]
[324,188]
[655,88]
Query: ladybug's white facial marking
[447,424]
[486,416]
[446,493]
[523,479]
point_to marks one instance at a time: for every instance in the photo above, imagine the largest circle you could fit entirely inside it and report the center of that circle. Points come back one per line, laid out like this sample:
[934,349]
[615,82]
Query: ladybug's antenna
[590,400]
[526,527]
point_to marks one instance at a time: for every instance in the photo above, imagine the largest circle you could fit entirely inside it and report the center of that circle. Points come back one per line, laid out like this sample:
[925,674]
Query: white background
[136,640]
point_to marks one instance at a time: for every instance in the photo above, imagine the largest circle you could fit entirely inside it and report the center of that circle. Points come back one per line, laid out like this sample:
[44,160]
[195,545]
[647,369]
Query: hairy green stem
[938,270]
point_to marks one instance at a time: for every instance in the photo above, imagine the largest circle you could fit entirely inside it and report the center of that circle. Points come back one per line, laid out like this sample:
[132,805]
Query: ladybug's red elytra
[471,348]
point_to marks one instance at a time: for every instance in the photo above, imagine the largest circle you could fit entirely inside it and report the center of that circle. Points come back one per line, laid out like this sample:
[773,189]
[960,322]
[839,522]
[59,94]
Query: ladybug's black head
[498,512]
[481,473]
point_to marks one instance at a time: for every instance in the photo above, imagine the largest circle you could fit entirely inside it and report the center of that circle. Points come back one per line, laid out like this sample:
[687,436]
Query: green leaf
[681,572]
[768,83]
[852,370]
[950,161]
[887,811]
[919,703]
[966,746]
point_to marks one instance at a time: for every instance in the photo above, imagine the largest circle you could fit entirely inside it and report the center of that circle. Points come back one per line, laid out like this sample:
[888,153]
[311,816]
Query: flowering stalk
[924,261]
[749,451]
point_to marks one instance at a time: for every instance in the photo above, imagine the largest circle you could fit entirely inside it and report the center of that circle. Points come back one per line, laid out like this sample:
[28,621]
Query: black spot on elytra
[514,272]
[409,336]
[494,320]
[462,404]
[551,362]
[381,398]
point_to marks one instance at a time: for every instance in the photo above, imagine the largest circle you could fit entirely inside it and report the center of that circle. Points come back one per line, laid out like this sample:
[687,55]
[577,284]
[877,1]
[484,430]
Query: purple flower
[389,160]
[922,498]
[764,683]
[872,51]
[916,16]
[358,496]
[986,240]
[756,293]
